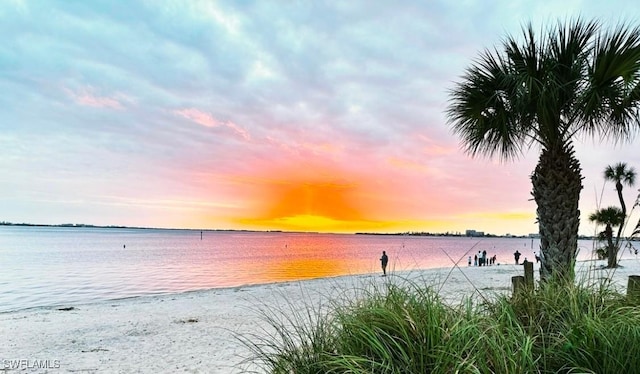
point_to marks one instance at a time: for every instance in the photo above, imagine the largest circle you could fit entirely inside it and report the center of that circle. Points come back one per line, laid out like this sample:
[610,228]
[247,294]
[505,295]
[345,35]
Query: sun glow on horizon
[315,223]
[333,198]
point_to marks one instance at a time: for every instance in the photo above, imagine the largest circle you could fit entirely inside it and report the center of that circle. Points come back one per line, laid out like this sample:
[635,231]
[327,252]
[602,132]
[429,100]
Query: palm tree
[620,174]
[575,79]
[610,217]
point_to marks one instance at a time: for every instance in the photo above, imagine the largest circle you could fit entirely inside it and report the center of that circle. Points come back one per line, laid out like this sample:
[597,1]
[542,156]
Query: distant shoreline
[408,233]
[83,225]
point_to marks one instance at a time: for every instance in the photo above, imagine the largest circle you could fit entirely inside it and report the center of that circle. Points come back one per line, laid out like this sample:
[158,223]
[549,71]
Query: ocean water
[52,266]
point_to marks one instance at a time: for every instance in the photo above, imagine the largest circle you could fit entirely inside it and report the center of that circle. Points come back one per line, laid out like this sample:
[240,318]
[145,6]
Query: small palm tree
[620,174]
[610,217]
[543,91]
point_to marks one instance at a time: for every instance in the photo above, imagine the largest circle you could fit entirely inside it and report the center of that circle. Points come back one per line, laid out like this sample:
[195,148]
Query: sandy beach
[196,332]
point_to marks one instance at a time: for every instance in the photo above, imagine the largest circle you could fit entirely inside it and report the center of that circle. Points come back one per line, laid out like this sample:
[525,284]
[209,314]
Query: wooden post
[528,274]
[633,286]
[518,283]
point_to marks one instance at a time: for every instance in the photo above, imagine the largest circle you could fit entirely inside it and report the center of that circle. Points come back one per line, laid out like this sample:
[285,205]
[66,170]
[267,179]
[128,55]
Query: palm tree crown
[575,79]
[549,89]
[620,174]
[611,216]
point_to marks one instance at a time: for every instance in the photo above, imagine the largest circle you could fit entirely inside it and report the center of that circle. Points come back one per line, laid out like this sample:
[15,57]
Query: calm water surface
[47,266]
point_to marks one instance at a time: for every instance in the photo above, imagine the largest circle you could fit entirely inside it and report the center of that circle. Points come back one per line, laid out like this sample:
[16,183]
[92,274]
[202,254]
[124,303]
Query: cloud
[87,97]
[207,120]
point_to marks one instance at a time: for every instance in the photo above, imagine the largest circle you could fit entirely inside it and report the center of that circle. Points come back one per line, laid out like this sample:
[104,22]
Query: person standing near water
[383,261]
[516,255]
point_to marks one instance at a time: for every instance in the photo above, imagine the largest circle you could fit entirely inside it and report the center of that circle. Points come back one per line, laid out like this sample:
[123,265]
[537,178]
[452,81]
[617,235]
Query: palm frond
[611,101]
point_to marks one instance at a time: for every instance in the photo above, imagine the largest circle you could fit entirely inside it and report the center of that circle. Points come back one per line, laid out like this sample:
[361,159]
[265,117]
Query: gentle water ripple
[50,266]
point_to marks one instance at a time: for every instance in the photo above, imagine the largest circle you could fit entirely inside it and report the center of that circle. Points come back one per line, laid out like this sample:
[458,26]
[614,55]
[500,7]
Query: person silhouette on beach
[384,260]
[516,255]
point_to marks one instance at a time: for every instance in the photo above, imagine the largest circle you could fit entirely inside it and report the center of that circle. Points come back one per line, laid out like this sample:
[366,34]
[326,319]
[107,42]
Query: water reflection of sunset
[302,268]
[179,260]
[304,256]
[235,259]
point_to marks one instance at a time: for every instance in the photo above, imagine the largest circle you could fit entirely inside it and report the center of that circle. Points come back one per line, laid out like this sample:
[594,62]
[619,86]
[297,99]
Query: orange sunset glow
[319,198]
[313,201]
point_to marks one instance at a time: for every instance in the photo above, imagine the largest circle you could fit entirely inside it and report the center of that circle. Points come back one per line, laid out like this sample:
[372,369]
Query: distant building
[534,235]
[474,233]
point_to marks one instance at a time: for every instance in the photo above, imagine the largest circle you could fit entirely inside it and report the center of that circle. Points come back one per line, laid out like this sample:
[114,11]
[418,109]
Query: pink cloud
[310,148]
[207,120]
[86,97]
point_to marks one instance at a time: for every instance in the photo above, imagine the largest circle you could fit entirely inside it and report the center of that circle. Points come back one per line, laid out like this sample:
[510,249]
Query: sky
[321,116]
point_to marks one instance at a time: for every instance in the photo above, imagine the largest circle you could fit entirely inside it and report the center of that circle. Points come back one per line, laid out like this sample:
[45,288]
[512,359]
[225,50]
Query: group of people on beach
[481,259]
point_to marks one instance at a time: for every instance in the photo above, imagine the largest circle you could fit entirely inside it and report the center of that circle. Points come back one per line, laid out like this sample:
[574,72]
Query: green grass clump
[407,328]
[590,329]
[395,331]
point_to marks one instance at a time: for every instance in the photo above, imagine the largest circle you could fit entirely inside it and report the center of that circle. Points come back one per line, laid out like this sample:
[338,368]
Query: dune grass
[404,327]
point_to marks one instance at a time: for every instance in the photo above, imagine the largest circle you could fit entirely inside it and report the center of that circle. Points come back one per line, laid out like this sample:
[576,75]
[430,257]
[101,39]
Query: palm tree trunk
[557,182]
[623,206]
[612,255]
[624,212]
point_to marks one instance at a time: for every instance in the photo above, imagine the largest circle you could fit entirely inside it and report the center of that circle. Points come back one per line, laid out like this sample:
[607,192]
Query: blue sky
[220,114]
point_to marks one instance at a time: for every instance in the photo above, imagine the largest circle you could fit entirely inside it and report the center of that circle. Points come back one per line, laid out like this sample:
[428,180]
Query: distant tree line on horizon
[461,235]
